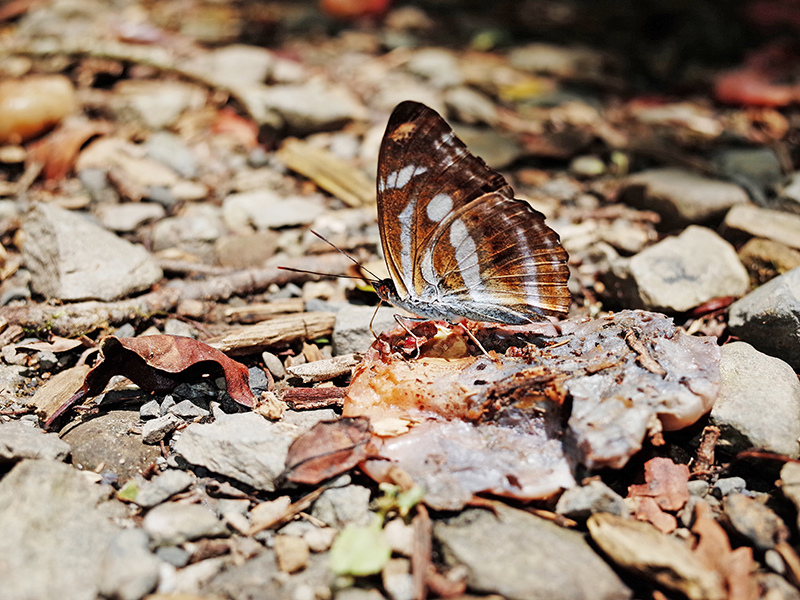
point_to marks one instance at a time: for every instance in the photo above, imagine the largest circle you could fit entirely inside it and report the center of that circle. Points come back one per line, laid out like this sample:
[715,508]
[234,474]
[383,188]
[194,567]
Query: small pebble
[728,485]
[274,364]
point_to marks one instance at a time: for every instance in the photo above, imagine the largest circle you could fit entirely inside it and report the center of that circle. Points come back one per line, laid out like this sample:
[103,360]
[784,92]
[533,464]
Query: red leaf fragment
[328,449]
[158,363]
[666,483]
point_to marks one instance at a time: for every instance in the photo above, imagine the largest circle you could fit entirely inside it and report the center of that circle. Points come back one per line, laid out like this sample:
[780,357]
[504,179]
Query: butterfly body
[457,244]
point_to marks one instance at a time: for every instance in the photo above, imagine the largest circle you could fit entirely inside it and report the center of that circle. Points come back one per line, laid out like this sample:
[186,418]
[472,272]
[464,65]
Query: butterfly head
[386,291]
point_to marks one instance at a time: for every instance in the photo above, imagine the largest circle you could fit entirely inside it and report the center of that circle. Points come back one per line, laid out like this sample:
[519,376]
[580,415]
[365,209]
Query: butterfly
[457,244]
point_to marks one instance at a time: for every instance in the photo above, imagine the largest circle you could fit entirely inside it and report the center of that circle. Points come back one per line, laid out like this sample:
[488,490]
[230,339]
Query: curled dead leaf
[158,363]
[327,449]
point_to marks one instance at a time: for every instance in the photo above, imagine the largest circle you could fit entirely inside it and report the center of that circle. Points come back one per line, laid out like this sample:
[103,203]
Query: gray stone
[19,440]
[246,249]
[728,485]
[198,225]
[681,197]
[107,442]
[174,555]
[766,259]
[128,217]
[52,537]
[789,194]
[188,410]
[438,65]
[755,521]
[339,507]
[596,496]
[680,273]
[163,487]
[355,593]
[777,225]
[128,569]
[562,61]
[260,579]
[243,446]
[351,332]
[769,318]
[10,379]
[397,580]
[496,149]
[266,209]
[302,108]
[157,429]
[169,149]
[173,523]
[758,405]
[71,258]
[750,167]
[523,557]
[233,65]
[470,106]
[156,103]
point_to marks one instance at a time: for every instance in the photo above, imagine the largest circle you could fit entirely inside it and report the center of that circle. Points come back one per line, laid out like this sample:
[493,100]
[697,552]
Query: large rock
[758,404]
[55,543]
[681,197]
[680,273]
[769,318]
[71,258]
[523,557]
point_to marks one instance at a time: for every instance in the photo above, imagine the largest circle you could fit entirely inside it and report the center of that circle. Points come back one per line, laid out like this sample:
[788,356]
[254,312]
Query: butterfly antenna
[335,247]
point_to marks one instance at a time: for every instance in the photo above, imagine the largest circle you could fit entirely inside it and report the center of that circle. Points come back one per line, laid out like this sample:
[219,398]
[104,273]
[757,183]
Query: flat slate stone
[681,197]
[19,441]
[71,258]
[777,225]
[523,557]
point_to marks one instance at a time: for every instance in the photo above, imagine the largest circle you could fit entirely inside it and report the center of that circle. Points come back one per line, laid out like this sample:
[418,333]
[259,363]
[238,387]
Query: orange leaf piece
[329,448]
[158,363]
[713,549]
[666,483]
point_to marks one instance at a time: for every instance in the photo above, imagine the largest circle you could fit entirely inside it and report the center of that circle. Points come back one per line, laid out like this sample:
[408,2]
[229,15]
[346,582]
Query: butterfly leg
[417,339]
[463,325]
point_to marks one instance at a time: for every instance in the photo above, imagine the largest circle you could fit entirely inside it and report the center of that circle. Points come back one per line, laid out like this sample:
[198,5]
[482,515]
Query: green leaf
[128,492]
[360,550]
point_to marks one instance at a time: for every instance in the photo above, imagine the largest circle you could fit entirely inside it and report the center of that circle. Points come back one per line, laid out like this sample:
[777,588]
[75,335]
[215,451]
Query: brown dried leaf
[327,449]
[58,151]
[158,363]
[713,549]
[666,483]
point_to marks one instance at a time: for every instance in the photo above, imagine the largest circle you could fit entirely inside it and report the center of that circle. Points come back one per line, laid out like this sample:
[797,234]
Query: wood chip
[329,172]
[280,331]
[326,369]
[255,313]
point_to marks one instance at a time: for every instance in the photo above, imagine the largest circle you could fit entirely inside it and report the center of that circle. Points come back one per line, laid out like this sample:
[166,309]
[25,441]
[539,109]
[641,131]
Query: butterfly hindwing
[496,258]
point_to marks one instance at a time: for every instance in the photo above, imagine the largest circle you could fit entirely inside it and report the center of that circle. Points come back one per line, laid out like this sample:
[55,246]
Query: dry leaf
[158,363]
[666,483]
[713,550]
[327,449]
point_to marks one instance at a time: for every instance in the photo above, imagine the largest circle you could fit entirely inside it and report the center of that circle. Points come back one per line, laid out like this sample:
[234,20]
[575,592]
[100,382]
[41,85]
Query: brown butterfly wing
[424,174]
[495,259]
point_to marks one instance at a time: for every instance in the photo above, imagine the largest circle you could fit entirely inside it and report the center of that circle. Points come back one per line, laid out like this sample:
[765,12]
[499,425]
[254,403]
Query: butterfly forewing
[424,173]
[455,240]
